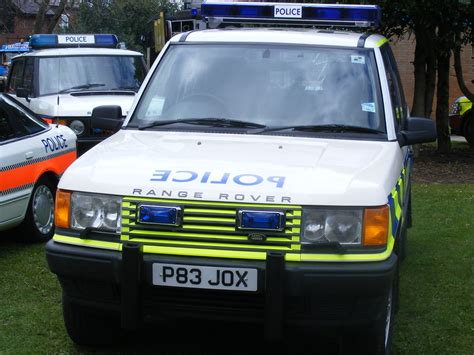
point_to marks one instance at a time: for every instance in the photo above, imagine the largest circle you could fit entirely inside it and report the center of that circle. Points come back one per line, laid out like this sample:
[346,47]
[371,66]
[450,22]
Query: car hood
[238,168]
[82,104]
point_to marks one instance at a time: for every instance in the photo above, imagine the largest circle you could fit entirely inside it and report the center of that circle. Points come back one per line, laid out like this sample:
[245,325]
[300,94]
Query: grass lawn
[437,284]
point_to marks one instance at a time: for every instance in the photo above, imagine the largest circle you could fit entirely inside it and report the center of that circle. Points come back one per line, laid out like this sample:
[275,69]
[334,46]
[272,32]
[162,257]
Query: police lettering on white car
[33,156]
[262,176]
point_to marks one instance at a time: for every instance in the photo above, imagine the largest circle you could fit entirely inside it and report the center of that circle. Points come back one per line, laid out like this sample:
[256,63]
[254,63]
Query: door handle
[28,155]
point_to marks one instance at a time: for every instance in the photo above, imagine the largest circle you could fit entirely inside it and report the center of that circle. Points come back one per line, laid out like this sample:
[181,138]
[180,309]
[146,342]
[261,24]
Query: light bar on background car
[41,41]
[327,15]
[19,47]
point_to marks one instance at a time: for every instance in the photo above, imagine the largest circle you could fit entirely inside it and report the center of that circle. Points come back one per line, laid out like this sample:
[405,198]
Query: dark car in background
[461,119]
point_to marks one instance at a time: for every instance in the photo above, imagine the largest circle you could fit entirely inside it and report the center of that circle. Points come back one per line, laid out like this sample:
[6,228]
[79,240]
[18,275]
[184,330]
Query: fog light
[77,127]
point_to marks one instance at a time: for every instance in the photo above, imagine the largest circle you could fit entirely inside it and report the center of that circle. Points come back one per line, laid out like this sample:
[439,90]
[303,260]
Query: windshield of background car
[272,85]
[97,73]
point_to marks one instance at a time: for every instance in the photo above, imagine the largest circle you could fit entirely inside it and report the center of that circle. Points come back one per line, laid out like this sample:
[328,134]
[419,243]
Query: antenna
[57,99]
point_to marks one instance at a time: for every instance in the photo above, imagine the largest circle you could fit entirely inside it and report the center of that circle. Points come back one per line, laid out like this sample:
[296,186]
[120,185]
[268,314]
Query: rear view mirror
[108,117]
[417,130]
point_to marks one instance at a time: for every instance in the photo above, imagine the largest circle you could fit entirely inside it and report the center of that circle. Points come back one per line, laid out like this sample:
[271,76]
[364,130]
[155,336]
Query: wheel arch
[50,176]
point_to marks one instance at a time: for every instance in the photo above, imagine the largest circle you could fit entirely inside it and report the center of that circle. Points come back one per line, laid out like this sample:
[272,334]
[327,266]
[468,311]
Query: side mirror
[23,93]
[417,130]
[108,117]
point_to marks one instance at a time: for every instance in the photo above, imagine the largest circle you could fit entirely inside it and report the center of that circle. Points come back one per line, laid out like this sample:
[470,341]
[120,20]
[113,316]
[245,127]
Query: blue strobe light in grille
[261,220]
[164,215]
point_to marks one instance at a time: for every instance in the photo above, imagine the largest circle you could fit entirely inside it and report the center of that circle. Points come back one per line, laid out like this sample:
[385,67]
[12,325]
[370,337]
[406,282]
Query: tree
[7,16]
[463,38]
[44,8]
[440,27]
[128,19]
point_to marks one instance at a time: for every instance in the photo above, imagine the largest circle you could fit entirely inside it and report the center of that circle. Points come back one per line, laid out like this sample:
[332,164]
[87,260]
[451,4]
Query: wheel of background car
[199,106]
[87,326]
[469,129]
[38,225]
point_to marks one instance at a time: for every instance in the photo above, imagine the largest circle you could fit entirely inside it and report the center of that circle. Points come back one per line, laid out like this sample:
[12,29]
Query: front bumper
[289,293]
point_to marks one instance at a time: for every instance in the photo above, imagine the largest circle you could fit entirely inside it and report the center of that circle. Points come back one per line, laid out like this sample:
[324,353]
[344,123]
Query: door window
[16,78]
[16,123]
[28,75]
[399,106]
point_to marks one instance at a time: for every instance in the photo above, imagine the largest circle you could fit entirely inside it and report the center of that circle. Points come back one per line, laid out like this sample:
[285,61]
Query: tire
[402,248]
[38,225]
[382,331]
[469,130]
[374,338]
[409,221]
[86,326]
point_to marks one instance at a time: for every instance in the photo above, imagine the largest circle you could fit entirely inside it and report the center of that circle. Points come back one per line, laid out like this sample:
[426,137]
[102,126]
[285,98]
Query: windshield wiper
[130,88]
[81,87]
[213,122]
[323,128]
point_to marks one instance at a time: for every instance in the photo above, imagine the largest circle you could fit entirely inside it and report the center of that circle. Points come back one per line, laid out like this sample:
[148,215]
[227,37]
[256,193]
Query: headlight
[95,211]
[343,226]
[77,127]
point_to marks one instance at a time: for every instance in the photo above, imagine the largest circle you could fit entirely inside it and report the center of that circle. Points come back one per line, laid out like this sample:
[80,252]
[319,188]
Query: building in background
[17,18]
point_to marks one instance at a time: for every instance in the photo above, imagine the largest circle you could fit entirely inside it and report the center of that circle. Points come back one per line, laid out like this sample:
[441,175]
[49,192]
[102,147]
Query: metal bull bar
[131,276]
[132,261]
[274,296]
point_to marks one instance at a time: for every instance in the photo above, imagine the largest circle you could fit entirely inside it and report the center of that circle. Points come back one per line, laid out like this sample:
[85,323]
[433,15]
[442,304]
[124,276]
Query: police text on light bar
[307,14]
[41,41]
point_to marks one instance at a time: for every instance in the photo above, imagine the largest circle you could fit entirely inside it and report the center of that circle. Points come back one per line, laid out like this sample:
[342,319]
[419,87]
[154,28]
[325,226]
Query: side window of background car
[6,130]
[395,86]
[15,123]
[28,75]
[16,77]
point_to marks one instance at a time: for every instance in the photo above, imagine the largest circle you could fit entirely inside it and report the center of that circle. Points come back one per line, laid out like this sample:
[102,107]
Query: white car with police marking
[263,176]
[65,77]
[33,156]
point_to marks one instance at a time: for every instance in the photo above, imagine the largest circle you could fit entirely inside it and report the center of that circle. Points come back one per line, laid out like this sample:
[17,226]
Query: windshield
[79,73]
[271,85]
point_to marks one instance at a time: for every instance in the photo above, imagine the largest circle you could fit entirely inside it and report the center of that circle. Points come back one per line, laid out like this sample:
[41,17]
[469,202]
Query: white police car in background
[33,156]
[263,175]
[66,76]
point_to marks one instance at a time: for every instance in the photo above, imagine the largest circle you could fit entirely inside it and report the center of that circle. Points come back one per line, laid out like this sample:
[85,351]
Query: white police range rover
[65,77]
[263,175]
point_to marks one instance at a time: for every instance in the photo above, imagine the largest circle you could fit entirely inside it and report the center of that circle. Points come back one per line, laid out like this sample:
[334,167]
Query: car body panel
[23,160]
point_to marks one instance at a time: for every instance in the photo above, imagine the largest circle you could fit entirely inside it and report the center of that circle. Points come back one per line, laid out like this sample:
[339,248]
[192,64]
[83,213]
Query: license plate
[208,277]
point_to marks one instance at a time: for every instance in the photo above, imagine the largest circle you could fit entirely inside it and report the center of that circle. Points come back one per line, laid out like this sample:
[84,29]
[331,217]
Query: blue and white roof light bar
[15,47]
[328,15]
[42,41]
